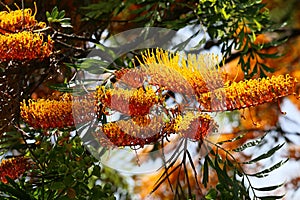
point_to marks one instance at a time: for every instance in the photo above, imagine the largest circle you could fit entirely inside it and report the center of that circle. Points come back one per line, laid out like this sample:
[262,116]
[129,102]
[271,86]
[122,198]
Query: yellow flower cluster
[17,41]
[18,20]
[47,113]
[13,168]
[134,102]
[238,95]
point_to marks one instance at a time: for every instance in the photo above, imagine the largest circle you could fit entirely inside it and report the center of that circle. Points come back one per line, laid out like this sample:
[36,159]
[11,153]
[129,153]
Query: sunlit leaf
[211,195]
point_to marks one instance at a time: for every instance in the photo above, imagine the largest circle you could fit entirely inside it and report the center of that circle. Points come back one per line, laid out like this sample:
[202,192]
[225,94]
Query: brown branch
[76,37]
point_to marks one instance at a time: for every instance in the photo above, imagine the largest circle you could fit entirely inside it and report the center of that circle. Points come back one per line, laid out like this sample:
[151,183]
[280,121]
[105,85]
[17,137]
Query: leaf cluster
[57,16]
[61,169]
[233,181]
[236,24]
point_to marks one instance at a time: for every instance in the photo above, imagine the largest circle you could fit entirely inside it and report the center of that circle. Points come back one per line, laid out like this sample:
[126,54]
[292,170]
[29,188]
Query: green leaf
[182,45]
[54,13]
[271,197]
[212,194]
[246,46]
[142,17]
[7,190]
[266,68]
[97,171]
[10,140]
[71,65]
[47,14]
[200,43]
[61,14]
[236,188]
[205,171]
[232,140]
[249,144]
[268,188]
[276,43]
[107,50]
[57,185]
[65,20]
[266,172]
[227,178]
[14,190]
[267,55]
[265,155]
[62,87]
[101,9]
[222,173]
[94,66]
[259,26]
[68,180]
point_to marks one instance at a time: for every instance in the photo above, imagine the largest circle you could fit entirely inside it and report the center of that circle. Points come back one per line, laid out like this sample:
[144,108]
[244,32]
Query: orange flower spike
[132,102]
[13,168]
[138,131]
[238,95]
[45,114]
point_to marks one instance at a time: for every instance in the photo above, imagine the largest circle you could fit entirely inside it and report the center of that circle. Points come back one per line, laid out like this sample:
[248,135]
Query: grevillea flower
[18,20]
[47,113]
[131,77]
[144,130]
[24,46]
[132,102]
[195,126]
[238,95]
[13,168]
[193,75]
[136,132]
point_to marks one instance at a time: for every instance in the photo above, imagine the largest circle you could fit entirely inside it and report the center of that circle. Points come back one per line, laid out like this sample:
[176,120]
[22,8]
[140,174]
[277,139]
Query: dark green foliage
[233,180]
[63,170]
[14,191]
